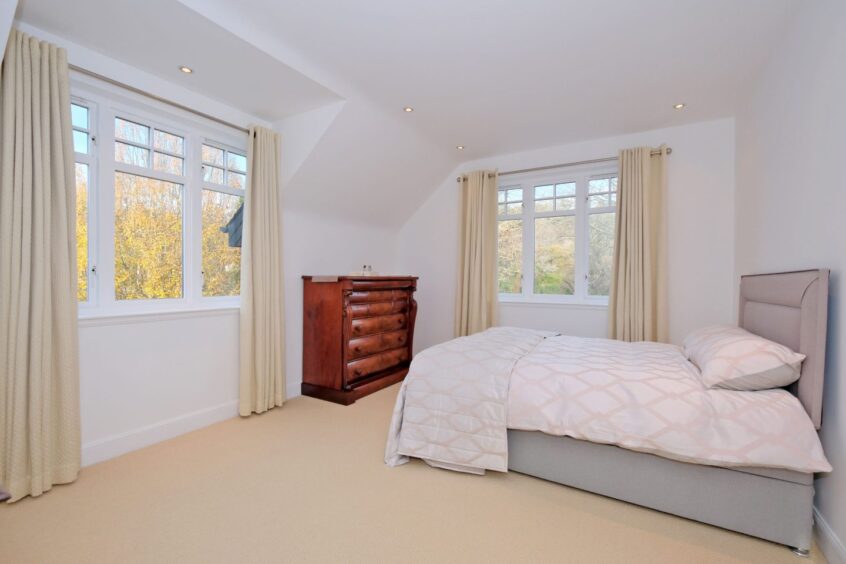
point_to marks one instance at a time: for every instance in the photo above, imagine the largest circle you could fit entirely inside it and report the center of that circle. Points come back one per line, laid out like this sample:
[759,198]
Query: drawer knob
[357,349]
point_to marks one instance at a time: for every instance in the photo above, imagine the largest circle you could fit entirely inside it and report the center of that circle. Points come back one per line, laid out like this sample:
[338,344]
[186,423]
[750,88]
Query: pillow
[735,359]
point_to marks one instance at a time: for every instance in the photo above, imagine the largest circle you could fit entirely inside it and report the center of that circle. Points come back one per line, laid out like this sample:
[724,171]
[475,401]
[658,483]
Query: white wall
[7,14]
[791,204]
[701,235]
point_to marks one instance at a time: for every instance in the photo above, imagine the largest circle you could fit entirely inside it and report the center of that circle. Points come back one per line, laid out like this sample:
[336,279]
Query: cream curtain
[638,302]
[39,362]
[262,384]
[476,299]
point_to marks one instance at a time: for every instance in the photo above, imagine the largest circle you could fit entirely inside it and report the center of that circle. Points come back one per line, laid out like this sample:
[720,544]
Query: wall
[791,199]
[701,235]
[7,14]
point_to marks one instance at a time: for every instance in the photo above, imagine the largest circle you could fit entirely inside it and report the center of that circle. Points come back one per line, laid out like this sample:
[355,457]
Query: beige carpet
[306,483]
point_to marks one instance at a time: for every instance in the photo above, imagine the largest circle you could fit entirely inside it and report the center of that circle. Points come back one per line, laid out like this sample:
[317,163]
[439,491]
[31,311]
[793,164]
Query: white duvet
[460,397]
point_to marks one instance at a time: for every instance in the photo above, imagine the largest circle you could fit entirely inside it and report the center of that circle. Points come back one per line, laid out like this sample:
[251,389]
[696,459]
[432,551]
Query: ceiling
[500,76]
[160,35]
[495,76]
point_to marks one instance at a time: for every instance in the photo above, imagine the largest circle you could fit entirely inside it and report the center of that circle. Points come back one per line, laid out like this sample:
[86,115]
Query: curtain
[39,353]
[476,300]
[262,382]
[638,302]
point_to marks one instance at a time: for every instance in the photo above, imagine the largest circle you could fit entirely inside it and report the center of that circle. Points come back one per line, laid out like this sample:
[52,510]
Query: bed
[773,501]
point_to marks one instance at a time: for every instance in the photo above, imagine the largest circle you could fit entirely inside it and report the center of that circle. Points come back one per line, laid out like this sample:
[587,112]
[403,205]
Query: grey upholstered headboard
[791,308]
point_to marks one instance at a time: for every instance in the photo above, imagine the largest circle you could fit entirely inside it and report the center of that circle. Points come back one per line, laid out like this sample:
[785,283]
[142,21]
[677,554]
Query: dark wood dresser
[357,334]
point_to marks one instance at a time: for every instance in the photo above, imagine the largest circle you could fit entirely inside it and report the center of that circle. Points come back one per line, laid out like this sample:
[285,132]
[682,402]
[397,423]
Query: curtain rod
[563,165]
[156,98]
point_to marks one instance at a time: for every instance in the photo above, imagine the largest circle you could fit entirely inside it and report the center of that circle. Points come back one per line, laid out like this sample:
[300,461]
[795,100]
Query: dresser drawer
[359,369]
[378,308]
[372,325]
[360,297]
[365,346]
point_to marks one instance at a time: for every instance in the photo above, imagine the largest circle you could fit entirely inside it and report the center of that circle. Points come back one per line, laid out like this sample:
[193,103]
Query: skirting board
[115,445]
[828,542]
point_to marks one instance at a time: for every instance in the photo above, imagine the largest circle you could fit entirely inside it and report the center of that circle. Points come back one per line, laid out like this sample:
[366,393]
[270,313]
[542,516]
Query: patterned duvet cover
[460,397]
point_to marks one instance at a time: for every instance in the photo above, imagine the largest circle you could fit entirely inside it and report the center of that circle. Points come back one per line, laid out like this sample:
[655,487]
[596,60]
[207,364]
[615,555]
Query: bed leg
[802,552]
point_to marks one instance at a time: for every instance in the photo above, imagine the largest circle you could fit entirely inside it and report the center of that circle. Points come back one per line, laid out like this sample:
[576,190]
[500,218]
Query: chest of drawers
[357,334]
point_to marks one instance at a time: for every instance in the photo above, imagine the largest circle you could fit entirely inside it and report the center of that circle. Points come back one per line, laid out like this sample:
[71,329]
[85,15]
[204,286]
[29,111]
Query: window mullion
[106,213]
[528,282]
[581,237]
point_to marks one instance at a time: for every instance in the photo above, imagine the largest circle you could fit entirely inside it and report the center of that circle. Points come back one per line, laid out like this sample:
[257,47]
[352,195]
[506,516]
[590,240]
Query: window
[168,236]
[81,122]
[224,181]
[556,238]
[148,217]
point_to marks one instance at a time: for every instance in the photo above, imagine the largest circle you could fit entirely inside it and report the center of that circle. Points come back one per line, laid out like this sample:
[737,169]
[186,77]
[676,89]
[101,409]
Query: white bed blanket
[451,408]
[455,406]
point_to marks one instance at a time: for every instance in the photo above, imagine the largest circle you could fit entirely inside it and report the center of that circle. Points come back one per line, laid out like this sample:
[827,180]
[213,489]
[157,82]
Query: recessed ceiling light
[186,70]
[408,109]
[679,106]
[460,147]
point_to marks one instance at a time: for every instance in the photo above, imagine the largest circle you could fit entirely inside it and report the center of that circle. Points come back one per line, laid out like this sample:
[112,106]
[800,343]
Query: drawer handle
[357,371]
[357,329]
[357,349]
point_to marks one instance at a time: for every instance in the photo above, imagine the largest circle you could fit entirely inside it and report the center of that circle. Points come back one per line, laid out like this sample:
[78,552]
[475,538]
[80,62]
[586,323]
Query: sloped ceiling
[494,76]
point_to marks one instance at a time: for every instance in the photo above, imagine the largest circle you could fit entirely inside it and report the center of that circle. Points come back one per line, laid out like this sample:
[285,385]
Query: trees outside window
[556,237]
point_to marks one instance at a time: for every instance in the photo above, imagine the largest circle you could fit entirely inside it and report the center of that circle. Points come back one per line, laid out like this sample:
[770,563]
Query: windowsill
[102,318]
[540,302]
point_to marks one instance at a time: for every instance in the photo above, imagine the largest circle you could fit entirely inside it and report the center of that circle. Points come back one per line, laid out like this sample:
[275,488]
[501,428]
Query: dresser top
[333,278]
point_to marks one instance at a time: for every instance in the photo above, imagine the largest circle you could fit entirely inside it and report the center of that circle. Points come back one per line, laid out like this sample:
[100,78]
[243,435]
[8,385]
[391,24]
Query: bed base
[776,505]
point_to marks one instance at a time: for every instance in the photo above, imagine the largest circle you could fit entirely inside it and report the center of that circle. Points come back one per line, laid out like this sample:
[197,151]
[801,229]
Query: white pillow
[735,359]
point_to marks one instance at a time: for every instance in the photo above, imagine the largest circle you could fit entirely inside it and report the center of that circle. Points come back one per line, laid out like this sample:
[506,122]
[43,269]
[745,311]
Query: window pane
[237,162]
[544,205]
[148,238]
[221,244]
[544,191]
[614,184]
[600,253]
[568,189]
[79,116]
[130,154]
[168,142]
[82,231]
[565,204]
[599,201]
[237,180]
[80,142]
[501,209]
[555,255]
[166,163]
[515,195]
[510,256]
[500,196]
[598,185]
[212,155]
[212,174]
[133,132]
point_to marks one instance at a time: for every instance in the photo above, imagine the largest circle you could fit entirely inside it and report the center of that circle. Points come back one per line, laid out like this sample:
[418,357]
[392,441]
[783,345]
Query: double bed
[631,420]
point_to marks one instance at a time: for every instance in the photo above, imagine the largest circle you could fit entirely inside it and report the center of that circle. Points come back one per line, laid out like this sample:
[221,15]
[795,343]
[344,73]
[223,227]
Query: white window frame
[224,189]
[90,159]
[105,103]
[527,183]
